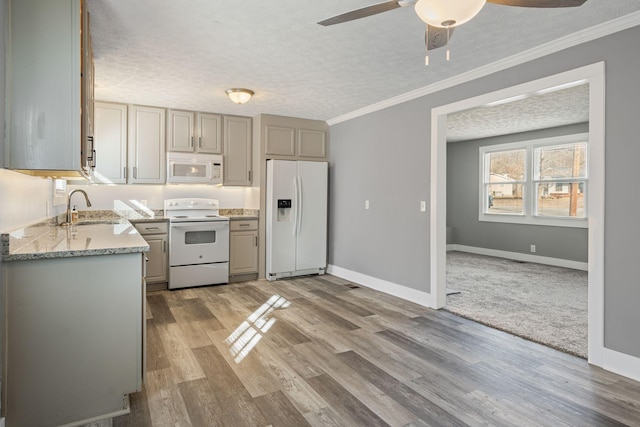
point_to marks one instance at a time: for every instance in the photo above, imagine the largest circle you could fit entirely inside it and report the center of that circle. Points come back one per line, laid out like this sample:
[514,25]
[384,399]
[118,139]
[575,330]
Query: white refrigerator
[296,216]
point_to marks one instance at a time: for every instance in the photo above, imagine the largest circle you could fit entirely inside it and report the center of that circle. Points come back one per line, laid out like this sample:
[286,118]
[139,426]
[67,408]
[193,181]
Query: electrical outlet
[533,248]
[366,204]
[423,206]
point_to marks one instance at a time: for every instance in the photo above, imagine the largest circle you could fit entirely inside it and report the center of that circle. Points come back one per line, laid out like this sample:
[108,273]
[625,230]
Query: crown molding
[574,39]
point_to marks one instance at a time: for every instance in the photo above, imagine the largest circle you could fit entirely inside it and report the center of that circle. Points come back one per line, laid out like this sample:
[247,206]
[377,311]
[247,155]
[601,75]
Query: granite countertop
[157,215]
[239,214]
[98,232]
[86,238]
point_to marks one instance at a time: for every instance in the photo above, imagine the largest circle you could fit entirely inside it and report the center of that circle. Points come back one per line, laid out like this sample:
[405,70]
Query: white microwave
[194,168]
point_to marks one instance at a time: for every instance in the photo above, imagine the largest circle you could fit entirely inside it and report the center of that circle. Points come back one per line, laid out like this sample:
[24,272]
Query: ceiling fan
[442,16]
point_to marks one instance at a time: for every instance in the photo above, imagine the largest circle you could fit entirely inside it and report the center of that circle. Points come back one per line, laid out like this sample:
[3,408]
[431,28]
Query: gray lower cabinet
[74,338]
[243,247]
[156,235]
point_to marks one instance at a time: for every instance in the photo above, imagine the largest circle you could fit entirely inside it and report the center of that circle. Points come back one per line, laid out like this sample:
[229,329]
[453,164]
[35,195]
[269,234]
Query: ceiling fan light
[239,95]
[448,13]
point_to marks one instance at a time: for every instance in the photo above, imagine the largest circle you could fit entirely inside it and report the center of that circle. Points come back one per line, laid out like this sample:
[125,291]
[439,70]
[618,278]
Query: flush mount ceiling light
[442,16]
[239,95]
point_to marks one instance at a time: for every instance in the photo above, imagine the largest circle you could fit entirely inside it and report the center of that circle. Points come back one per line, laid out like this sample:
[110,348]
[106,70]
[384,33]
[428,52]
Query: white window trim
[529,200]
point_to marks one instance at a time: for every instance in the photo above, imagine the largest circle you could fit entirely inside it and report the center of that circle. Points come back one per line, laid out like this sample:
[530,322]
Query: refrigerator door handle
[295,206]
[299,206]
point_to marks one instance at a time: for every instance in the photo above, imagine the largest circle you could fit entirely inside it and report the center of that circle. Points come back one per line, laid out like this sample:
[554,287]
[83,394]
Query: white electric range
[198,242]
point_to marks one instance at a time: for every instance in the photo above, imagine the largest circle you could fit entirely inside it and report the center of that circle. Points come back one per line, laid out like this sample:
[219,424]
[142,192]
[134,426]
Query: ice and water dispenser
[284,210]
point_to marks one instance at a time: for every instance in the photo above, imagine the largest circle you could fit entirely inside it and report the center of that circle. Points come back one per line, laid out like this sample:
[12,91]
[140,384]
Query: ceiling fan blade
[539,3]
[361,13]
[437,37]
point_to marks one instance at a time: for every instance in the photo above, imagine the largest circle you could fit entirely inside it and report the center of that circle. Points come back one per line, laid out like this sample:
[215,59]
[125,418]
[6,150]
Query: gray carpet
[541,303]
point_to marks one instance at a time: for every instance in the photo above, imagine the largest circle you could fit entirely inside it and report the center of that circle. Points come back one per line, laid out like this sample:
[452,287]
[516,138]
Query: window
[535,182]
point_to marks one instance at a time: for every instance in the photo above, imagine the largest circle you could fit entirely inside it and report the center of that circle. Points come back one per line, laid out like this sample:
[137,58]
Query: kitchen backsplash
[143,197]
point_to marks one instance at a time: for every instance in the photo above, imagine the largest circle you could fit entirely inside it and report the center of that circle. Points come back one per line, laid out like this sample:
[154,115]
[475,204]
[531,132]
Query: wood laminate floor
[322,351]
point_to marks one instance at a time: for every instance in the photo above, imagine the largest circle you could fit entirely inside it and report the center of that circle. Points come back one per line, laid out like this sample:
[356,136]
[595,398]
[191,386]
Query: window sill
[536,220]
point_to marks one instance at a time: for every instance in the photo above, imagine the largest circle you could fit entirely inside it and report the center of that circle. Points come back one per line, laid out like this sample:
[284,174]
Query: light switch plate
[366,204]
[423,206]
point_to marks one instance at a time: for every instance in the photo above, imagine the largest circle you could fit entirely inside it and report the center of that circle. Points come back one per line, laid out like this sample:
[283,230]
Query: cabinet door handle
[199,142]
[164,246]
[152,228]
[125,173]
[249,176]
[246,224]
[135,172]
[256,240]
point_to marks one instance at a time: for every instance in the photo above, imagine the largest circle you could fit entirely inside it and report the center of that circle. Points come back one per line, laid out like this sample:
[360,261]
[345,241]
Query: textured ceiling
[559,108]
[185,53]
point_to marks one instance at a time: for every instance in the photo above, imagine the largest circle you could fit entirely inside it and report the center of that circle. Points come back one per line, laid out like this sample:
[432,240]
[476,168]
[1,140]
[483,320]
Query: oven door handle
[201,226]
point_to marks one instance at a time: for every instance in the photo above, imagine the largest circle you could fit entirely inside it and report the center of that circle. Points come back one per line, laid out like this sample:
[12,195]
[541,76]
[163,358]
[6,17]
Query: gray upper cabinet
[237,150]
[191,132]
[180,131]
[280,141]
[134,158]
[146,161]
[312,143]
[292,138]
[110,140]
[49,70]
[209,137]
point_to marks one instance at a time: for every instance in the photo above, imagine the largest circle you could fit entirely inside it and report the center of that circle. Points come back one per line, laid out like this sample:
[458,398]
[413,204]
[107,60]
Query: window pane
[560,161]
[563,199]
[505,198]
[506,166]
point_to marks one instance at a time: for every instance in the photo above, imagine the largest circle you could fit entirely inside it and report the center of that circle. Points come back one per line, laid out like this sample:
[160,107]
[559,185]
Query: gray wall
[463,174]
[2,109]
[384,156]
[2,80]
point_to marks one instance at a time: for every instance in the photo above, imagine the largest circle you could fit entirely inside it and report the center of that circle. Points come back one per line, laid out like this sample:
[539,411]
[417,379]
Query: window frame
[530,183]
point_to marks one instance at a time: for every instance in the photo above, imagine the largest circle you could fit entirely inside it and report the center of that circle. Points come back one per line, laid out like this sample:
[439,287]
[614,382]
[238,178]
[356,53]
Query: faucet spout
[86,199]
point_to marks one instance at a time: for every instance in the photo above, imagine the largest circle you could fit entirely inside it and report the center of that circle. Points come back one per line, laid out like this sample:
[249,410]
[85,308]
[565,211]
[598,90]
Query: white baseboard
[517,256]
[622,364]
[400,291]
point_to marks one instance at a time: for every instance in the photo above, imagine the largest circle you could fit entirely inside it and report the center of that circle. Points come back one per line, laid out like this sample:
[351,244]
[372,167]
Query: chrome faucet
[86,198]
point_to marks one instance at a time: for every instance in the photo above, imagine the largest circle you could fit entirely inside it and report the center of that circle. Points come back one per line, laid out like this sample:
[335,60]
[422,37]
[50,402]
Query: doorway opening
[594,76]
